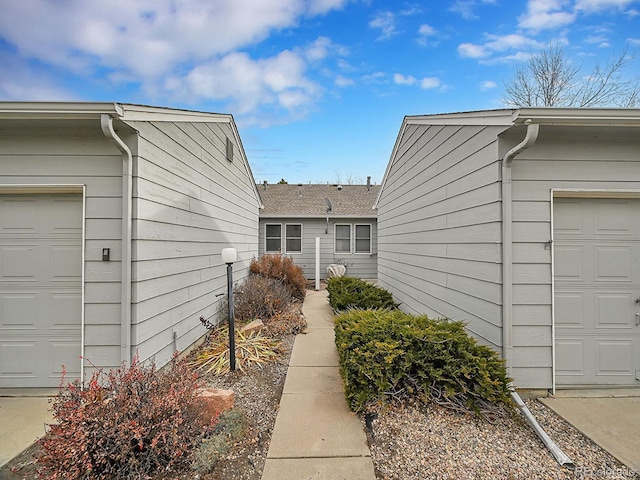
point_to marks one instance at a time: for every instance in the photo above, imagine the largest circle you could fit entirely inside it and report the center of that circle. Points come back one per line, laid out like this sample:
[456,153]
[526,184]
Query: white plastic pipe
[507,240]
[317,263]
[106,123]
[559,455]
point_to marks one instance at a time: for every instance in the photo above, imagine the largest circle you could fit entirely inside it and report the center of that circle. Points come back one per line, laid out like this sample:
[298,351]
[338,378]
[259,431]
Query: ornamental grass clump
[253,349]
[388,355]
[348,292]
[131,422]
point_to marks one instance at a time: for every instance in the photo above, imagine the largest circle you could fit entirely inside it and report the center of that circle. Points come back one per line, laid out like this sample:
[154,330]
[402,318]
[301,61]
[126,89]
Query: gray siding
[189,203]
[34,153]
[592,159]
[439,226]
[361,265]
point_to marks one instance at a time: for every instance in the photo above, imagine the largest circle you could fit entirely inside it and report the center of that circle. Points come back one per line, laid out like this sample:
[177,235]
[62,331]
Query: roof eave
[59,110]
[578,116]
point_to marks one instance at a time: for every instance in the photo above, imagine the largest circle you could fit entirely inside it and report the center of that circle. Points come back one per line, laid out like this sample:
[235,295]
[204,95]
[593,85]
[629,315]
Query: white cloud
[386,23]
[488,85]
[546,14]
[247,84]
[497,44]
[590,6]
[427,30]
[400,79]
[428,83]
[470,50]
[466,8]
[126,41]
[342,81]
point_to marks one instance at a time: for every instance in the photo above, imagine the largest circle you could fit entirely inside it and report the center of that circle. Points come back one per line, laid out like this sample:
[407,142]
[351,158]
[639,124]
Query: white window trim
[370,238]
[285,238]
[265,238]
[335,238]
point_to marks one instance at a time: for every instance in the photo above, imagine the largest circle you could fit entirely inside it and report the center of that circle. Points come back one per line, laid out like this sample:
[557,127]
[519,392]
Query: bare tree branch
[550,79]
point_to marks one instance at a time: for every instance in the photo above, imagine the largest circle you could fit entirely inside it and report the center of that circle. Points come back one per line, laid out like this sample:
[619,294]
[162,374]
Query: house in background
[341,216]
[525,224]
[112,222]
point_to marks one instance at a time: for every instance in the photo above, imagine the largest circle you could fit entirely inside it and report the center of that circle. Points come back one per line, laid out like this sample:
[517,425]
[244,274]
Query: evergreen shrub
[391,354]
[348,292]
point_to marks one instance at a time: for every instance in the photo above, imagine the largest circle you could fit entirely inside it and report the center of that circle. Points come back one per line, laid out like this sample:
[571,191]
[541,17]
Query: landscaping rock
[254,326]
[217,400]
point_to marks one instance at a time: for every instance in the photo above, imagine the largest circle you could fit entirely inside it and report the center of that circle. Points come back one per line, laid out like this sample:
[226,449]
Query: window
[273,234]
[294,238]
[343,238]
[363,239]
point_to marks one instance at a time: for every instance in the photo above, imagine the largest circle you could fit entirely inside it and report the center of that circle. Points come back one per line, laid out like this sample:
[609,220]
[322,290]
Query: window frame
[286,238]
[355,238]
[266,238]
[335,239]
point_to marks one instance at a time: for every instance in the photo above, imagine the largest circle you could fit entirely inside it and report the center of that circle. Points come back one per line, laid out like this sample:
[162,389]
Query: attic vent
[229,150]
[339,187]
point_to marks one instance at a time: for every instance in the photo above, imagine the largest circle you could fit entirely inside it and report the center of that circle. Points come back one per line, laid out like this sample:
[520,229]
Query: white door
[597,291]
[40,289]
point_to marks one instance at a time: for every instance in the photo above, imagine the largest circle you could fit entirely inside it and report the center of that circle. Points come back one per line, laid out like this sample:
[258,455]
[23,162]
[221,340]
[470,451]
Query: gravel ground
[257,394]
[414,441]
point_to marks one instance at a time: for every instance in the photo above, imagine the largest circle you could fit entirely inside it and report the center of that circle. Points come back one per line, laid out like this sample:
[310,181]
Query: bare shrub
[260,297]
[282,268]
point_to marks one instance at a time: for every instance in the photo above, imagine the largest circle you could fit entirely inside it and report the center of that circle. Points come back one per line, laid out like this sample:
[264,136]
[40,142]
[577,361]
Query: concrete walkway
[315,435]
[611,418]
[24,414]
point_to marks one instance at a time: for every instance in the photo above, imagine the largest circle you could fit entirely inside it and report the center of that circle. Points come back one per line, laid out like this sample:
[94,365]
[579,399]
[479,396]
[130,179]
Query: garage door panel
[569,266]
[19,263]
[64,310]
[67,216]
[66,263]
[613,263]
[19,310]
[569,309]
[19,358]
[17,216]
[597,339]
[614,357]
[570,352]
[40,288]
[612,218]
[612,310]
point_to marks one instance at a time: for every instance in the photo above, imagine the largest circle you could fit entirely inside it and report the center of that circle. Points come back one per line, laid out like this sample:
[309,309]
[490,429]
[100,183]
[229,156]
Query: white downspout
[106,123]
[507,240]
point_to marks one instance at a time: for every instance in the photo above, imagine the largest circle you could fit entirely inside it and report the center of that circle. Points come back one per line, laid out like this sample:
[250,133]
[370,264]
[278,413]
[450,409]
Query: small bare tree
[550,79]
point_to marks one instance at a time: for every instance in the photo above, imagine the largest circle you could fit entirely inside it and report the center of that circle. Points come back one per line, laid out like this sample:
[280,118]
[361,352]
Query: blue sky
[318,88]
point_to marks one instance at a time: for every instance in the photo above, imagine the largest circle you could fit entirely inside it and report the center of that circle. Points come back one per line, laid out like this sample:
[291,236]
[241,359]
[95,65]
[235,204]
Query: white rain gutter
[106,122]
[507,240]
[559,455]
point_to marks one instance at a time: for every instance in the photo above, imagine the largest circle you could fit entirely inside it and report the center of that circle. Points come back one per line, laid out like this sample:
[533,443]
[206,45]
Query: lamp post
[229,256]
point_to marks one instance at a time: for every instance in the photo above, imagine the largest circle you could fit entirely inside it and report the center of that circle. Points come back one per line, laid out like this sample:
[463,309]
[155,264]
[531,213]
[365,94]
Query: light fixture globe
[229,255]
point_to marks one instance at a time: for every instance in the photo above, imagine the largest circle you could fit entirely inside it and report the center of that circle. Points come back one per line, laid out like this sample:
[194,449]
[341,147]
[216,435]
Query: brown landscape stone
[217,401]
[254,326]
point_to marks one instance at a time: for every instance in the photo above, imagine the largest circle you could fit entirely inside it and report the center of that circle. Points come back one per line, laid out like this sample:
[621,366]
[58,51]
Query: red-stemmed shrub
[131,422]
[282,268]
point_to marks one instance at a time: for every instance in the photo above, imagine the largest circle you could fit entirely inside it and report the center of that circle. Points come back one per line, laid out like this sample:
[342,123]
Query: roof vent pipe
[264,185]
[368,183]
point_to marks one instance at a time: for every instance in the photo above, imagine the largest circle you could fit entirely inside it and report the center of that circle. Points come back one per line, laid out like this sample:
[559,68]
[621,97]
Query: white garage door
[40,288]
[597,286]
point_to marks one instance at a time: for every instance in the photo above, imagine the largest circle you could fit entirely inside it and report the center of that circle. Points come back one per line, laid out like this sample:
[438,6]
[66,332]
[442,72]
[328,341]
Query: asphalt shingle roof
[282,200]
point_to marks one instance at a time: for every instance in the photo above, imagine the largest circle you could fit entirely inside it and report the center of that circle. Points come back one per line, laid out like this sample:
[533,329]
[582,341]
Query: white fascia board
[479,117]
[145,113]
[53,110]
[580,116]
[322,217]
